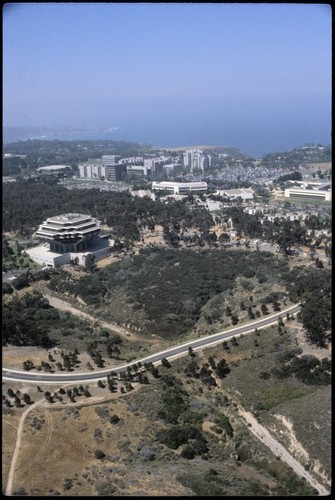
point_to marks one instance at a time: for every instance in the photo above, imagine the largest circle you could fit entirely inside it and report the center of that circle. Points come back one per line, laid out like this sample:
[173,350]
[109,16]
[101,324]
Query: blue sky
[253,76]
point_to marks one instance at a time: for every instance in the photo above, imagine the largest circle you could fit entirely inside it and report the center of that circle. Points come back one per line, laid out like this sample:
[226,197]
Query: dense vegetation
[40,153]
[233,462]
[26,321]
[299,155]
[313,289]
[30,320]
[170,286]
[167,289]
[28,204]
[285,233]
[308,369]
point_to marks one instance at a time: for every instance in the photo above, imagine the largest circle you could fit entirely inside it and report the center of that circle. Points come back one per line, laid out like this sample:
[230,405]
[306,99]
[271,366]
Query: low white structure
[141,193]
[310,193]
[53,169]
[233,194]
[45,257]
[179,187]
[213,205]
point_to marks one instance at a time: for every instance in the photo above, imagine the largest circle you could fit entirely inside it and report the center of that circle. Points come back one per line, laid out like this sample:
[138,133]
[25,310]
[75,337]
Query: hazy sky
[253,76]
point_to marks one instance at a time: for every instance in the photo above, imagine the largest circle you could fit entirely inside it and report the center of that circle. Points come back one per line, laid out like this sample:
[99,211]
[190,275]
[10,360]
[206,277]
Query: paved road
[171,353]
[257,429]
[264,435]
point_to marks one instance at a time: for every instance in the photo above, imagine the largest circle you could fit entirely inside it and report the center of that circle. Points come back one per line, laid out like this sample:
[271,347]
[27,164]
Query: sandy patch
[208,426]
[109,260]
[318,469]
[294,447]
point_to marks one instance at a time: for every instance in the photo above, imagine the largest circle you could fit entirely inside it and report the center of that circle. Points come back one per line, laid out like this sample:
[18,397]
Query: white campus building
[233,194]
[179,187]
[317,194]
[54,169]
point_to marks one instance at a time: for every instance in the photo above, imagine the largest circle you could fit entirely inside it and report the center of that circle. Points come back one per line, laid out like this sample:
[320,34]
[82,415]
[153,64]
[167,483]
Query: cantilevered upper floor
[69,232]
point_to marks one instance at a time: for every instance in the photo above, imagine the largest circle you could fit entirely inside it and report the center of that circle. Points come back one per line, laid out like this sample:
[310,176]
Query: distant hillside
[311,153]
[234,152]
[13,135]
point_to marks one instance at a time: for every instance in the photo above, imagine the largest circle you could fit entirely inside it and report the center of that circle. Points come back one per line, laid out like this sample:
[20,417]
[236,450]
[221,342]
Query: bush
[7,288]
[224,423]
[188,452]
[146,453]
[114,419]
[99,454]
[166,363]
[222,368]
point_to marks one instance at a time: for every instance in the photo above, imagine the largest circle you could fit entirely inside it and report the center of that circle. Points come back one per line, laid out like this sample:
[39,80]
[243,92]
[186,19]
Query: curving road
[171,353]
[174,352]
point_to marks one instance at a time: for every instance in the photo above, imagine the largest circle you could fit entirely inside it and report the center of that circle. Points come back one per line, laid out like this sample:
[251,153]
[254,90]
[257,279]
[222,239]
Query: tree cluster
[308,369]
[26,321]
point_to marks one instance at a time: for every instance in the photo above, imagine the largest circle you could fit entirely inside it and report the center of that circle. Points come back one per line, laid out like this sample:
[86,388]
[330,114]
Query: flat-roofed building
[233,194]
[195,160]
[42,255]
[110,159]
[134,160]
[141,193]
[92,170]
[212,205]
[54,169]
[138,171]
[100,248]
[317,194]
[12,160]
[115,172]
[179,187]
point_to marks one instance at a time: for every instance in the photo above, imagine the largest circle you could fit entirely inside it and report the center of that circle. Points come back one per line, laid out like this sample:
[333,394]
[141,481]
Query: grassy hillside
[180,434]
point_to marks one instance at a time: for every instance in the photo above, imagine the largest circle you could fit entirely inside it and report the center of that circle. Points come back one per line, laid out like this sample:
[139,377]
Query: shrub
[99,454]
[146,453]
[222,368]
[114,419]
[188,452]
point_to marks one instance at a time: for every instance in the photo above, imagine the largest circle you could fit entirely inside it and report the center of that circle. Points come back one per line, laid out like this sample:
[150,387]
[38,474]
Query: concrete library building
[67,236]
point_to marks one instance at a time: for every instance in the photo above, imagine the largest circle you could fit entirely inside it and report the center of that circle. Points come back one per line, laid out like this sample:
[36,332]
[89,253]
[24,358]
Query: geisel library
[69,236]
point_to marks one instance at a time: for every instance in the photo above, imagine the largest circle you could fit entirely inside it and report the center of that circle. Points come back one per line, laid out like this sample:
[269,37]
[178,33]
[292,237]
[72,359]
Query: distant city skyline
[252,76]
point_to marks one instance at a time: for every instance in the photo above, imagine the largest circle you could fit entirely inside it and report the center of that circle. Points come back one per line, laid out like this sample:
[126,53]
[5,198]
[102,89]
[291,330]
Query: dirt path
[263,435]
[9,423]
[43,448]
[65,306]
[9,486]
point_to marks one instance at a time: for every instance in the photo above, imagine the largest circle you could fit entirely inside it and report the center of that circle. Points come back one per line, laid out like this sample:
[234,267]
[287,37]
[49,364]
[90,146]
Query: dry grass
[58,446]
[63,448]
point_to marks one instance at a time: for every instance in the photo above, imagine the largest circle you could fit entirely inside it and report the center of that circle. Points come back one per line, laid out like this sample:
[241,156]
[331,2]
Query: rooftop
[53,167]
[69,217]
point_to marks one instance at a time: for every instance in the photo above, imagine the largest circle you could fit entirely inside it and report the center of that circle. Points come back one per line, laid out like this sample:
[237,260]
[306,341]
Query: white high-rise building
[93,171]
[194,160]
